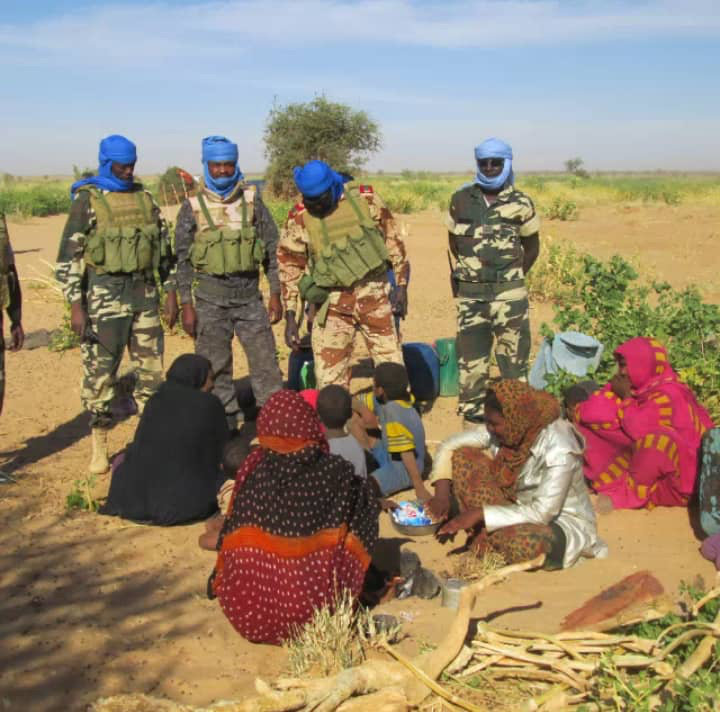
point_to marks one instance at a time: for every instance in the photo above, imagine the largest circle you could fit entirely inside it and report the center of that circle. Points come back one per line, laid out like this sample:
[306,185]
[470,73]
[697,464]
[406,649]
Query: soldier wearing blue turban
[114,241]
[493,235]
[224,236]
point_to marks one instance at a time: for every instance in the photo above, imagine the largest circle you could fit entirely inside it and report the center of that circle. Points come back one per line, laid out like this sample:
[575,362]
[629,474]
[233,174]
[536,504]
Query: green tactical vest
[347,245]
[487,238]
[219,248]
[126,237]
[4,264]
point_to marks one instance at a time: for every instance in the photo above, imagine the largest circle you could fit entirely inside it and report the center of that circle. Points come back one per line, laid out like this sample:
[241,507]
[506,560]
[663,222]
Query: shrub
[35,200]
[609,302]
[561,209]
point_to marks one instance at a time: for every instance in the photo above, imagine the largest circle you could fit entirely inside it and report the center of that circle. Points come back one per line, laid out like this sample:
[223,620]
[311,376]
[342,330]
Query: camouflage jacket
[70,269]
[486,238]
[243,285]
[294,247]
[10,296]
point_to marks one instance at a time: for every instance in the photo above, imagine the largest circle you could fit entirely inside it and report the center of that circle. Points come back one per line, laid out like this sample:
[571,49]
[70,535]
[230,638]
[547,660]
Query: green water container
[307,375]
[449,379]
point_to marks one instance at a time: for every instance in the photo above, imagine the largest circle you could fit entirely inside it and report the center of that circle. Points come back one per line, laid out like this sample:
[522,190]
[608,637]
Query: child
[234,454]
[334,407]
[400,452]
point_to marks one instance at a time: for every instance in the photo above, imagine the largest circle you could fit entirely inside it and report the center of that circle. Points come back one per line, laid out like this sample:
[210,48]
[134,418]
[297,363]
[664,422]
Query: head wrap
[494,148]
[113,149]
[220,149]
[526,411]
[315,177]
[287,423]
[190,370]
[647,362]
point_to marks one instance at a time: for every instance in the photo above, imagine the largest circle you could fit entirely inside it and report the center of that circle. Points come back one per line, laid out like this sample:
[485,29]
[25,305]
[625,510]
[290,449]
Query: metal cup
[451,592]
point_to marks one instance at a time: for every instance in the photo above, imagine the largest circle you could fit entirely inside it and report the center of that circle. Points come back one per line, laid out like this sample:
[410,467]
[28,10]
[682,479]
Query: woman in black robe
[171,473]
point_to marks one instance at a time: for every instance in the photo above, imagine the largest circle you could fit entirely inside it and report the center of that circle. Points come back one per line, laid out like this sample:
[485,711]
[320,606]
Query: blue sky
[626,85]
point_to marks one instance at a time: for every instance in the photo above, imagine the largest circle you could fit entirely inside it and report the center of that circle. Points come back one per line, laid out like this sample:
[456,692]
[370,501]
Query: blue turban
[219,149]
[315,177]
[495,148]
[113,149]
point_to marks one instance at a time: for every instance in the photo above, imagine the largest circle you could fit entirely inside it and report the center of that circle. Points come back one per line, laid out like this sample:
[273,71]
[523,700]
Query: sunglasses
[491,162]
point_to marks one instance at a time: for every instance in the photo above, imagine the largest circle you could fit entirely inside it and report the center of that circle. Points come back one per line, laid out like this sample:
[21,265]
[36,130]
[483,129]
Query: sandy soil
[91,606]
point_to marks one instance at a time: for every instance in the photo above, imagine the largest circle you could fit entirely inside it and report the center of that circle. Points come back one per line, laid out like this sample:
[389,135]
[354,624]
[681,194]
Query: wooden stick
[700,655]
[709,596]
[548,675]
[437,689]
[563,646]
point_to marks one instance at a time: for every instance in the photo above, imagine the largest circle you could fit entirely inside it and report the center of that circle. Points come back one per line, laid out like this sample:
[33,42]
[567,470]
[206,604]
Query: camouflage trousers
[249,321]
[364,308]
[123,314]
[503,323]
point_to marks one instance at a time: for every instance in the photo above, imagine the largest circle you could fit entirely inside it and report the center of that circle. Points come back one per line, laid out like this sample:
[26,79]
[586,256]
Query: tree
[575,166]
[319,129]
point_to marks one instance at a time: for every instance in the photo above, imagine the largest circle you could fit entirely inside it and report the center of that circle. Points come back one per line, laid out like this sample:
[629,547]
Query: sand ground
[91,606]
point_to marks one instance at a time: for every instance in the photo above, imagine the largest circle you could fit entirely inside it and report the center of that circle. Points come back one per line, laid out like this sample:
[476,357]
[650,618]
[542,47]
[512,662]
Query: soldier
[10,300]
[333,253]
[493,234]
[223,235]
[114,240]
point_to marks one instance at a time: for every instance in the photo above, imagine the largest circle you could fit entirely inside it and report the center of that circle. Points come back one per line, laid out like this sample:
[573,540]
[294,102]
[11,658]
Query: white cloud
[221,29]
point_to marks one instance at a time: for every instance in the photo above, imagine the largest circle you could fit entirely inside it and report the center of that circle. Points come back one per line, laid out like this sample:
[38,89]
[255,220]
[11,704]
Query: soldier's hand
[170,312]
[78,319]
[189,320]
[275,310]
[399,301]
[17,337]
[292,337]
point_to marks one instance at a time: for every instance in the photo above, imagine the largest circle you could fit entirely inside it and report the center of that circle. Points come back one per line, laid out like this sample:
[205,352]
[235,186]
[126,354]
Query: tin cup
[451,592]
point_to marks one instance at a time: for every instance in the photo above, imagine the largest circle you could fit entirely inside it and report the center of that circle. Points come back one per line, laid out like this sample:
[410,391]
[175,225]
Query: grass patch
[80,496]
[335,638]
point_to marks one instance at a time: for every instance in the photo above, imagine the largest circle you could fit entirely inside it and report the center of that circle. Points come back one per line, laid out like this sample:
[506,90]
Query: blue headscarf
[315,177]
[113,149]
[220,149]
[494,148]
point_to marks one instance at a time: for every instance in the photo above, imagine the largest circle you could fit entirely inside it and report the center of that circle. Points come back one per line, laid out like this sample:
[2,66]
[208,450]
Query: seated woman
[642,432]
[520,484]
[299,528]
[170,473]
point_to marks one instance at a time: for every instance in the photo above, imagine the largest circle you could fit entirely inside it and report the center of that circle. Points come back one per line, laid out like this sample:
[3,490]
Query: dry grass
[335,638]
[471,567]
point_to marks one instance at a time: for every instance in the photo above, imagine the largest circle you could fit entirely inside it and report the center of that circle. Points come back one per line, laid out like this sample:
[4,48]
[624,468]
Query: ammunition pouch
[310,291]
[224,251]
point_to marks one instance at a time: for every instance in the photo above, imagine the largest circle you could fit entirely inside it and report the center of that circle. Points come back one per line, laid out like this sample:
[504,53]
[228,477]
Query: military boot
[99,463]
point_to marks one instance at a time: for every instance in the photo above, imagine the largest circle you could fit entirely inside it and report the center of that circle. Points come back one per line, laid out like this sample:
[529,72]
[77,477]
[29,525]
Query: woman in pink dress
[642,431]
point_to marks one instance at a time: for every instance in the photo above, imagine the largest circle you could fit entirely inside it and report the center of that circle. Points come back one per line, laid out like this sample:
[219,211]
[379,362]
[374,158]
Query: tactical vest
[4,265]
[126,237]
[226,241]
[346,245]
[487,239]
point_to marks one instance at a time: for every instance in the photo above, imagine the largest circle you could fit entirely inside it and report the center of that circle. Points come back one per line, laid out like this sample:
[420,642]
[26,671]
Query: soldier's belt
[486,291]
[223,287]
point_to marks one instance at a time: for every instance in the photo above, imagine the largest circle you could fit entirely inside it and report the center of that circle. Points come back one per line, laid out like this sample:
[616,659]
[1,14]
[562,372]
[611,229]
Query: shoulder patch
[250,191]
[366,189]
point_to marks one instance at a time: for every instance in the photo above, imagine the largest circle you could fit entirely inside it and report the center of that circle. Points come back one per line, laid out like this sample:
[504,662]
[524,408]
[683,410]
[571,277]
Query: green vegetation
[561,209]
[34,199]
[81,497]
[319,129]
[608,300]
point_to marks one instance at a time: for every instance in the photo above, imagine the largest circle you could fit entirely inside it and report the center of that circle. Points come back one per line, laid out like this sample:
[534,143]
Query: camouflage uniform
[231,303]
[365,306]
[122,307]
[488,281]
[10,297]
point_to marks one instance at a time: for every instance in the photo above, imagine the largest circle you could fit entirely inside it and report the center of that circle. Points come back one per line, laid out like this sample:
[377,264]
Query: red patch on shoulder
[366,189]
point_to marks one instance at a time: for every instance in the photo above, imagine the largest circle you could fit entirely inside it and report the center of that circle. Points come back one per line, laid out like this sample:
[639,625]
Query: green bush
[561,209]
[609,302]
[35,200]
